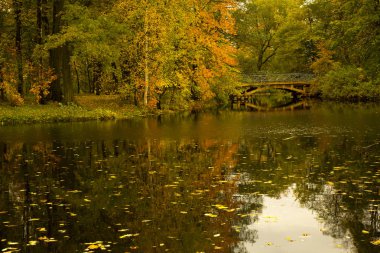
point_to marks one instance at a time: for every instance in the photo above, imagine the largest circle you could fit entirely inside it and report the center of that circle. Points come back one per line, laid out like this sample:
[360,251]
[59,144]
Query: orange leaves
[185,43]
[7,87]
[41,79]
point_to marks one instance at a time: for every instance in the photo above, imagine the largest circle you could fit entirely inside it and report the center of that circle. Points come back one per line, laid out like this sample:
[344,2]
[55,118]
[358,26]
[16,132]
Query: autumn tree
[266,30]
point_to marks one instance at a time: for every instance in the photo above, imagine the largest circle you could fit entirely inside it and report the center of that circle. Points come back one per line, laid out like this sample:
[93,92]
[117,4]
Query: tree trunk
[260,61]
[39,21]
[90,82]
[55,54]
[1,80]
[97,73]
[77,76]
[68,91]
[114,76]
[44,19]
[146,58]
[17,4]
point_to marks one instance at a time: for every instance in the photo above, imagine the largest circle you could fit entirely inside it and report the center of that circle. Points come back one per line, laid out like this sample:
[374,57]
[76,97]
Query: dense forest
[172,53]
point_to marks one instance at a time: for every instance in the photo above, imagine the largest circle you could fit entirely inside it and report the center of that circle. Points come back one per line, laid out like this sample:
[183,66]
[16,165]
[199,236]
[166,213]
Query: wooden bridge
[296,83]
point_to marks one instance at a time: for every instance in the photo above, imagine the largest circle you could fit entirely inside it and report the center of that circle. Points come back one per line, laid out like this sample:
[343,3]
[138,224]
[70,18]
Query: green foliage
[270,36]
[348,83]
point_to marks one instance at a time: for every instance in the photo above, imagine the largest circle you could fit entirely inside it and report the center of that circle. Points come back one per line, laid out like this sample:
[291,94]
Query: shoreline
[86,108]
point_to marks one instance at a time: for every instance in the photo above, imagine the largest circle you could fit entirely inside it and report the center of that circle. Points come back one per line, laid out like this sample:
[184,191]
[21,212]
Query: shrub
[348,83]
[11,94]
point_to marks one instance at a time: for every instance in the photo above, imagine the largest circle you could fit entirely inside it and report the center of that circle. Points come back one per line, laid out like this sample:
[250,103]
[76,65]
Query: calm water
[302,181]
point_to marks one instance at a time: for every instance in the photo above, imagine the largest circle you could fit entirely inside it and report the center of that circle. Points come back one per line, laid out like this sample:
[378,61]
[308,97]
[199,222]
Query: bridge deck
[275,83]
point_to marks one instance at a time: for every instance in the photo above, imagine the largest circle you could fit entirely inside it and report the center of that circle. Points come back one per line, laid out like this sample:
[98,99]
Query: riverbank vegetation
[85,107]
[184,54]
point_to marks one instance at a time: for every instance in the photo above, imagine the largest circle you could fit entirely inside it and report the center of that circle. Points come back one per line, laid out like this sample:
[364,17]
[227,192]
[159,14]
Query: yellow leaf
[32,243]
[365,231]
[289,239]
[42,238]
[377,242]
[220,207]
[93,246]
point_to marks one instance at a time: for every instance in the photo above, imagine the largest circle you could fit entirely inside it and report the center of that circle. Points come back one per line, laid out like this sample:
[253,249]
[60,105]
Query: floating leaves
[128,235]
[289,239]
[98,245]
[32,243]
[211,215]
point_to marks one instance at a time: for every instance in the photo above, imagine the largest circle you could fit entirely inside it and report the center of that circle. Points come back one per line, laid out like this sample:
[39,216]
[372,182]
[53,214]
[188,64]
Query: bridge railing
[289,77]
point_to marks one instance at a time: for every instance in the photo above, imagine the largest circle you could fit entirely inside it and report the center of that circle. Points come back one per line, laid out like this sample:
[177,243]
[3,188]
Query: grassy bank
[85,108]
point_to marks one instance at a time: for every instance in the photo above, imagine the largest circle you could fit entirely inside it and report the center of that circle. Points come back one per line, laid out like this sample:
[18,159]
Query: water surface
[300,181]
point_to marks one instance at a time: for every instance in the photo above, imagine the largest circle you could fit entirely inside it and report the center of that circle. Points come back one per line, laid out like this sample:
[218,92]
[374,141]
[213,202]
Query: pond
[291,181]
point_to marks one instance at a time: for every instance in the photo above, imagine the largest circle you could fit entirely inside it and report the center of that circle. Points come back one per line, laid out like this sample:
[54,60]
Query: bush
[11,94]
[348,83]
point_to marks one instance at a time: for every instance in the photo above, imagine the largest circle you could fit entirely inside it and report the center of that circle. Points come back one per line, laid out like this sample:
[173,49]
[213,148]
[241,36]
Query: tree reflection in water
[183,195]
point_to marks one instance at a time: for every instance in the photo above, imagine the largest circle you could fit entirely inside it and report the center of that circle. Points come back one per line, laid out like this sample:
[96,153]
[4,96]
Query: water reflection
[286,189]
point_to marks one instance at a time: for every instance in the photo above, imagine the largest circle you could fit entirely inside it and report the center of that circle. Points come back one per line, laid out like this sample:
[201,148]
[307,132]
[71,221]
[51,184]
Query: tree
[17,5]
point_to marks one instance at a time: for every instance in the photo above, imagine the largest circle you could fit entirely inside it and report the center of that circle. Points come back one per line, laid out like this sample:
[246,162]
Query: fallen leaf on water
[74,191]
[51,240]
[365,231]
[211,215]
[220,207]
[32,243]
[93,246]
[13,243]
[289,239]
[376,242]
[129,235]
[10,250]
